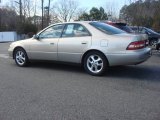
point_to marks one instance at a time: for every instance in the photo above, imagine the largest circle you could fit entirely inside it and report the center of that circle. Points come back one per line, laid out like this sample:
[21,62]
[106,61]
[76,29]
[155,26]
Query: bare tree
[42,12]
[111,9]
[29,7]
[48,15]
[66,9]
[80,12]
[24,8]
[9,19]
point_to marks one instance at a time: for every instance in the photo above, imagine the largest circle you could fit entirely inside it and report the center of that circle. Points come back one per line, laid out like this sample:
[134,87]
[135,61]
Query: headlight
[11,45]
[159,40]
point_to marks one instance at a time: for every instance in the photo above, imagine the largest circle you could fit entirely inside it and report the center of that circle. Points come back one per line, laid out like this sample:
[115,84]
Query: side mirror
[36,37]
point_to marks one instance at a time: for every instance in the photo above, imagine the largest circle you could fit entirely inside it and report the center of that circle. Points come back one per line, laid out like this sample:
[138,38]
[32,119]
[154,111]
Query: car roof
[116,23]
[81,22]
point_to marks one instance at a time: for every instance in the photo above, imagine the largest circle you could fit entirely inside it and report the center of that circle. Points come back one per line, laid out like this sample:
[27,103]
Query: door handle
[83,43]
[51,43]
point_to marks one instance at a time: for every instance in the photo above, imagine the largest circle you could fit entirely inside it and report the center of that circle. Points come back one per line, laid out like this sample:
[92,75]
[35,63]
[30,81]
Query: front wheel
[95,63]
[153,43]
[158,47]
[20,57]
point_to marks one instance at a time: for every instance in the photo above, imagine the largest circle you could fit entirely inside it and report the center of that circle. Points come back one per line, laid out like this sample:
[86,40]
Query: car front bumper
[130,57]
[10,52]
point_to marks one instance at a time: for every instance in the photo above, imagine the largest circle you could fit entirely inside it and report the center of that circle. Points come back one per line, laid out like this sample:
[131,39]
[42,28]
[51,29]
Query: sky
[115,5]
[98,3]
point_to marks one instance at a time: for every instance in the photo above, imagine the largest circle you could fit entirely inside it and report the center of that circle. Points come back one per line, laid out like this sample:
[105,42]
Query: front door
[45,47]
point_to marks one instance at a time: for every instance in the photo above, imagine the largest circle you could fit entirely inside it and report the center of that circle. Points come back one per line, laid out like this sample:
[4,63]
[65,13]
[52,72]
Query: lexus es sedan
[94,45]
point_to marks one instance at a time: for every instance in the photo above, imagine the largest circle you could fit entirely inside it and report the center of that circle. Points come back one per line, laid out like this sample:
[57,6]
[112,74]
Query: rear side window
[108,29]
[75,30]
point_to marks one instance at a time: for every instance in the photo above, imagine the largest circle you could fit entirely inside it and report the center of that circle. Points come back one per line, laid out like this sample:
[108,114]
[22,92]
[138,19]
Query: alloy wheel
[20,57]
[95,63]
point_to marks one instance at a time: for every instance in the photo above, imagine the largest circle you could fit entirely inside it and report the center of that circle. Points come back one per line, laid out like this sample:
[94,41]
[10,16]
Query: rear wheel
[20,57]
[95,63]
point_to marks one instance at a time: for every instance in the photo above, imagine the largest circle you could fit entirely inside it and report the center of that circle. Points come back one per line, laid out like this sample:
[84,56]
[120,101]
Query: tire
[21,58]
[153,43]
[158,47]
[95,63]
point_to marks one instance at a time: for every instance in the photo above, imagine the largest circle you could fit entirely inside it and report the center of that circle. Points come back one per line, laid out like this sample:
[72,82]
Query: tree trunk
[48,17]
[42,13]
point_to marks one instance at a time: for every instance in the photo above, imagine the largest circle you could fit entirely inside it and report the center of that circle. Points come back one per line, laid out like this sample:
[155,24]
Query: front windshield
[108,29]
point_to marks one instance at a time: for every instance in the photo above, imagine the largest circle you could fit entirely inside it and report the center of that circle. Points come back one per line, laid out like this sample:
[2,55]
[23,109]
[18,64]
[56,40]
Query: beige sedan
[94,45]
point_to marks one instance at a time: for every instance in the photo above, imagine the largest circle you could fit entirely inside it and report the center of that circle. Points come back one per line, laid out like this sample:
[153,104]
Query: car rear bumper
[129,58]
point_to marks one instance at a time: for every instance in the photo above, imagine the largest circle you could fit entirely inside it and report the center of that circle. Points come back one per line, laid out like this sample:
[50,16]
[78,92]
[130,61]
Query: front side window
[75,30]
[52,32]
[108,29]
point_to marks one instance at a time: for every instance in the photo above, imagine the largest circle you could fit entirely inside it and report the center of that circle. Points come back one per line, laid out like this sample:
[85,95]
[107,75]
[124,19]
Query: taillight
[136,45]
[147,42]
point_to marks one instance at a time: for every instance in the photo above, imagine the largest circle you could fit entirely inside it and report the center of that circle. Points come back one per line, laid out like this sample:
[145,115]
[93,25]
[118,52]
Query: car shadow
[56,66]
[140,72]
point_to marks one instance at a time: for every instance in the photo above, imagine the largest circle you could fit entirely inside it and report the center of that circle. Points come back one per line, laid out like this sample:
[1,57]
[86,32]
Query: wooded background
[142,13]
[27,17]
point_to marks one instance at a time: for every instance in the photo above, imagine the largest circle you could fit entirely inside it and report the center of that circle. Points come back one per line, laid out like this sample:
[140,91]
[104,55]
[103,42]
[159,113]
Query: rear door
[74,41]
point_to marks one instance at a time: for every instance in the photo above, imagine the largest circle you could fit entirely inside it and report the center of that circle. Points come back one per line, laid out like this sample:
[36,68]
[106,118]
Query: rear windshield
[108,29]
[126,28]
